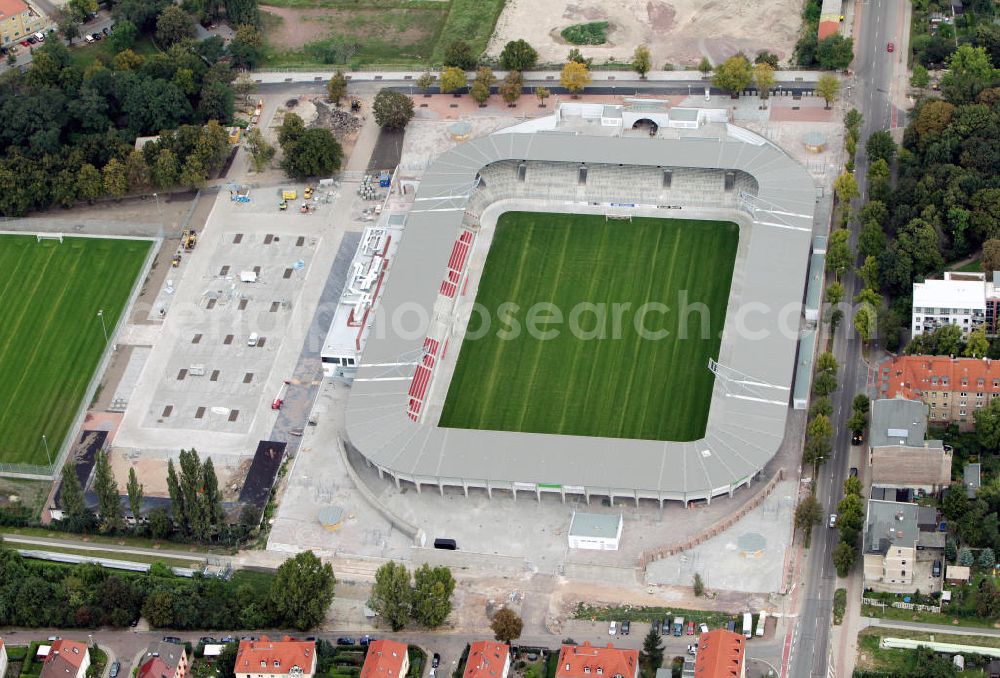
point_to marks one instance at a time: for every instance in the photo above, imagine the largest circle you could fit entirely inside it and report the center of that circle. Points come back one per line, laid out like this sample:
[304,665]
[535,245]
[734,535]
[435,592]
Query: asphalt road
[874,77]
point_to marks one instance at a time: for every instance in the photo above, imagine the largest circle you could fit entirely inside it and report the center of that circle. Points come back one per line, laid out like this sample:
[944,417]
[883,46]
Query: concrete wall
[467,559]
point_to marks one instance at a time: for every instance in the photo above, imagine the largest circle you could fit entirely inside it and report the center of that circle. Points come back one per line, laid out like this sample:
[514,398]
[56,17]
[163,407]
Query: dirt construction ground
[679,32]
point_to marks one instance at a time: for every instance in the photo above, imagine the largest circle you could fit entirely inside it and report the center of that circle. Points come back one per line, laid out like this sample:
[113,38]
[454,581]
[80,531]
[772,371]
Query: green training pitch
[51,339]
[651,387]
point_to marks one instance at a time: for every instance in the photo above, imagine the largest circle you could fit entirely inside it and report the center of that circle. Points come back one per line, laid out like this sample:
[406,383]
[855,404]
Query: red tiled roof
[275,656]
[720,655]
[9,8]
[486,659]
[911,375]
[155,668]
[587,661]
[64,658]
[384,660]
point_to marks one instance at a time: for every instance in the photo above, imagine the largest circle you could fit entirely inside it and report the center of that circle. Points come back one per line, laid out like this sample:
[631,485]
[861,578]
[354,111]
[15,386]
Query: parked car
[365,640]
[692,650]
[173,639]
[115,668]
[32,39]
[612,628]
[833,520]
[25,43]
[626,625]
[703,627]
[228,639]
[857,438]
[53,639]
[432,673]
[656,626]
[854,471]
[106,30]
[665,628]
[936,568]
[435,661]
[690,630]
[207,640]
[731,626]
[248,637]
[96,36]
[345,640]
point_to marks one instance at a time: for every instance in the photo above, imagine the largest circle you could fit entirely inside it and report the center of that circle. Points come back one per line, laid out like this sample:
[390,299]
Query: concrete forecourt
[394,413]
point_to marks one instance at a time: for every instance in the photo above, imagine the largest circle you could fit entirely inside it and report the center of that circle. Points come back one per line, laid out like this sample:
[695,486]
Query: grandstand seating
[456,263]
[422,378]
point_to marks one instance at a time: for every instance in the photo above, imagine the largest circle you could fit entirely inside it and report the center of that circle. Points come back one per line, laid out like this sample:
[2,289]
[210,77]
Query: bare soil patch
[679,32]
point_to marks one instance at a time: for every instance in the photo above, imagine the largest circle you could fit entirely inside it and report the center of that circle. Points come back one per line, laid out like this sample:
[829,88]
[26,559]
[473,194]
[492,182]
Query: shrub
[592,33]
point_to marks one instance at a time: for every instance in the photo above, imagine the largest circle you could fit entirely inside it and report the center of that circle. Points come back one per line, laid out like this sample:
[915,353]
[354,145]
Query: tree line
[69,130]
[38,594]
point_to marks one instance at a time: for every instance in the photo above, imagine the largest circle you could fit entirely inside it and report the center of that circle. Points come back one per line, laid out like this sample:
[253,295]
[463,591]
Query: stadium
[429,408]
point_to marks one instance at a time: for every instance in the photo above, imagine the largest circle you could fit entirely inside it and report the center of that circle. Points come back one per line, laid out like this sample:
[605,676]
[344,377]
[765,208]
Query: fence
[25,470]
[874,602]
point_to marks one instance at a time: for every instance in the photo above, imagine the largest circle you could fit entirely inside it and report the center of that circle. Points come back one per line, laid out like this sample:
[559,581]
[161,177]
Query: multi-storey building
[18,20]
[959,299]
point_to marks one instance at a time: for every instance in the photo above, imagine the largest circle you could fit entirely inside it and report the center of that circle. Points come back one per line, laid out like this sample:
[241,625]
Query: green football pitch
[51,338]
[625,384]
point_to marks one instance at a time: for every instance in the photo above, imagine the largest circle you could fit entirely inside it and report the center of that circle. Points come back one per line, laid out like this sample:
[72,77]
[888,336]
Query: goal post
[618,213]
[49,236]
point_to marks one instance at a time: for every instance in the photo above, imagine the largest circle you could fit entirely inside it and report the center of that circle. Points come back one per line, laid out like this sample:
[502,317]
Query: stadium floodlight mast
[100,314]
[45,441]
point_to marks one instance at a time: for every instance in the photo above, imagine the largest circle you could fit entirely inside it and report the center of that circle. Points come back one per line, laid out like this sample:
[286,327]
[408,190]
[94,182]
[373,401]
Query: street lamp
[45,441]
[100,314]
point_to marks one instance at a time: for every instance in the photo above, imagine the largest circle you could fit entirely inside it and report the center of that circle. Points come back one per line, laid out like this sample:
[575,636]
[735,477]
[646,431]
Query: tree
[302,591]
[834,293]
[969,72]
[70,492]
[880,146]
[828,87]
[574,77]
[821,405]
[459,55]
[950,550]
[68,24]
[210,495]
[82,9]
[512,87]
[391,596]
[291,130]
[857,422]
[763,76]
[871,240]
[977,344]
[315,154]
[518,55]
[843,558]
[425,81]
[247,47]
[652,650]
[108,498]
[576,55]
[869,272]
[452,79]
[919,77]
[766,57]
[965,557]
[164,170]
[158,609]
[432,591]
[542,93]
[177,509]
[852,485]
[698,585]
[127,60]
[733,75]
[861,403]
[987,559]
[824,384]
[135,494]
[955,503]
[642,61]
[124,35]
[988,426]
[193,174]
[835,53]
[866,322]
[506,625]
[191,483]
[705,66]
[392,110]
[261,152]
[838,253]
[991,256]
[846,187]
[173,25]
[480,92]
[809,512]
[216,102]
[89,184]
[820,427]
[115,181]
[336,88]
[160,525]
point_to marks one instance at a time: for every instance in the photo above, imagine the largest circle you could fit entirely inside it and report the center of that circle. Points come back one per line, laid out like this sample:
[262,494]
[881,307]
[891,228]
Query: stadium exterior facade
[760,187]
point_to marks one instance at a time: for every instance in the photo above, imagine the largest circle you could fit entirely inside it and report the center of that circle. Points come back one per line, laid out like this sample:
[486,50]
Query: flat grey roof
[594,525]
[743,432]
[972,477]
[817,269]
[890,523]
[897,421]
[803,373]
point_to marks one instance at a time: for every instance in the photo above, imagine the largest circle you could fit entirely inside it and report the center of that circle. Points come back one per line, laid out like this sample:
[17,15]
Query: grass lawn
[30,493]
[974,266]
[402,32]
[110,555]
[714,619]
[902,662]
[51,339]
[135,542]
[623,385]
[83,54]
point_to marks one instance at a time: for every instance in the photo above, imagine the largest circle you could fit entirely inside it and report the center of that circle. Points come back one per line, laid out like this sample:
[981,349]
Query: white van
[252,340]
[40,36]
[89,40]
[747,625]
[761,621]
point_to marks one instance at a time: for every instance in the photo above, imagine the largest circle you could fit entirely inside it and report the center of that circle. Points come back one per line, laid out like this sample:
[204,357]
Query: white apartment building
[959,299]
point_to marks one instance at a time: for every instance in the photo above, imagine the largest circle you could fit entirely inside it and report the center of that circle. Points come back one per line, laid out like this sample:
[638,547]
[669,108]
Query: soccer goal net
[49,236]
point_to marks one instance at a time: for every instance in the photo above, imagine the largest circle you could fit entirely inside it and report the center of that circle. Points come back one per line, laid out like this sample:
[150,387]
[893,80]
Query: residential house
[164,660]
[386,659]
[721,655]
[972,479]
[18,21]
[487,659]
[898,454]
[3,658]
[959,299]
[952,388]
[588,661]
[266,658]
[66,659]
[901,541]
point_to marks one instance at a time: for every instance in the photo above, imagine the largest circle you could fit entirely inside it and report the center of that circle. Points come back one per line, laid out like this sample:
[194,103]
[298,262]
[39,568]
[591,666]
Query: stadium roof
[743,433]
